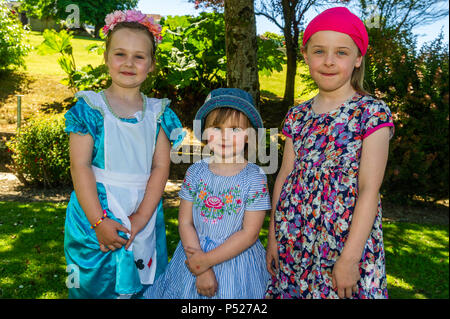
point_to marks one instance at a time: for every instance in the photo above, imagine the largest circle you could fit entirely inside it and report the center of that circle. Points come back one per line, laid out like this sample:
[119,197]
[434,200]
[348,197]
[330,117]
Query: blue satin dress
[115,273]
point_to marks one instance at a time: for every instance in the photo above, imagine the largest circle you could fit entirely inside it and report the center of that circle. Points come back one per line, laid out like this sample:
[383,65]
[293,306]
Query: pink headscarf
[339,19]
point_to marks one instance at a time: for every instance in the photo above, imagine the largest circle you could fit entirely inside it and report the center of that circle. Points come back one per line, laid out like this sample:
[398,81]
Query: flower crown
[116,17]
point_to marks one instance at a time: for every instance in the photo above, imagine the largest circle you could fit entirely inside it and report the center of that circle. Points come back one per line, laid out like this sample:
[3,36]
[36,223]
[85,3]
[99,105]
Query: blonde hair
[357,79]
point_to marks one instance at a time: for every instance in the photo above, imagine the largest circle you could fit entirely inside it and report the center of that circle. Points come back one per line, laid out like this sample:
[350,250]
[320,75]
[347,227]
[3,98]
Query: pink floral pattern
[116,17]
[316,204]
[229,201]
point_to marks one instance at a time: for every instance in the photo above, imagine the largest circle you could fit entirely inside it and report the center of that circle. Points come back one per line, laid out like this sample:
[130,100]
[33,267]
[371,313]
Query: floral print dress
[314,212]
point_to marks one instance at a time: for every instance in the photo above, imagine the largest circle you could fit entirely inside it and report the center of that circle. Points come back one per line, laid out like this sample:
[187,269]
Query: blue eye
[318,51]
[342,53]
[237,130]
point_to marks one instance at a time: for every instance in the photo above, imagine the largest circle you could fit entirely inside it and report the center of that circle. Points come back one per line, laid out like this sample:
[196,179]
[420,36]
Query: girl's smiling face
[331,57]
[227,140]
[129,58]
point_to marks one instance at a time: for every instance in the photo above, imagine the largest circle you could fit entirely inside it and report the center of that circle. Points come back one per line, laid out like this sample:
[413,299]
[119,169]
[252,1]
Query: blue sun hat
[229,97]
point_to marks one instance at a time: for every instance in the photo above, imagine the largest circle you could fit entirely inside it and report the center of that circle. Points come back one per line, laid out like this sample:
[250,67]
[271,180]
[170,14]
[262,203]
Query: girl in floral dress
[325,235]
[223,203]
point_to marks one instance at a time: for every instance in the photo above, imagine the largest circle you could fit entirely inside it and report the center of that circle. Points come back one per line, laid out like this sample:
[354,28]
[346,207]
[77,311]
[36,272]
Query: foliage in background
[40,152]
[86,78]
[415,85]
[191,61]
[13,44]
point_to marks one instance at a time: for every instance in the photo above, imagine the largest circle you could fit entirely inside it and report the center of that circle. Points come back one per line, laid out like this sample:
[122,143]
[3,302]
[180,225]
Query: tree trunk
[291,71]
[291,51]
[241,46]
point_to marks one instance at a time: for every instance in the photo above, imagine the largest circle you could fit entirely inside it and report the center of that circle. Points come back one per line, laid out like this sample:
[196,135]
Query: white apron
[128,150]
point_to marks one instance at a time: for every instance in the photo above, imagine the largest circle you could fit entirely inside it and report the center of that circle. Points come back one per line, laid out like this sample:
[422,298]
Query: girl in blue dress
[223,203]
[115,241]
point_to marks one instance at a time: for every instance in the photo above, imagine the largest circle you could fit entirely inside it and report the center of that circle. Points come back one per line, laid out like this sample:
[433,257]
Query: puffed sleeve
[171,125]
[189,185]
[288,121]
[82,119]
[376,115]
[258,196]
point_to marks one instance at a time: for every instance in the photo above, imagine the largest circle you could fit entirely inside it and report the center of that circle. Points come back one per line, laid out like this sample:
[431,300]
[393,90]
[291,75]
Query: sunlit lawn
[47,64]
[32,261]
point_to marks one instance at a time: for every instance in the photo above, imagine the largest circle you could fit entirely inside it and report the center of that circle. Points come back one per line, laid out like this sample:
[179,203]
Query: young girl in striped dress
[223,203]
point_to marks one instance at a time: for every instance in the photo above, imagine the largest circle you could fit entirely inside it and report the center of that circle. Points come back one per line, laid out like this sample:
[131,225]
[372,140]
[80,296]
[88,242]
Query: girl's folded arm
[233,246]
[188,234]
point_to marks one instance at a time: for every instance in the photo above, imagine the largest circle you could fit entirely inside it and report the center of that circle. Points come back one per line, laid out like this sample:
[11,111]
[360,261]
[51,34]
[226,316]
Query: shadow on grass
[32,263]
[12,83]
[417,260]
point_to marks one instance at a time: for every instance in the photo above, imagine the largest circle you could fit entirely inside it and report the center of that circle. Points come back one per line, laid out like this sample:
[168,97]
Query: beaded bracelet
[100,220]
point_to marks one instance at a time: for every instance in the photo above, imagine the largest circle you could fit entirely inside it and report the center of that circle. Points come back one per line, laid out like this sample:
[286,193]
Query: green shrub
[40,152]
[415,85]
[13,46]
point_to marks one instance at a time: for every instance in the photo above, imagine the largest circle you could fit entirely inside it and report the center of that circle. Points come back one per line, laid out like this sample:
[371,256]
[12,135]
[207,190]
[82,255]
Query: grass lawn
[32,263]
[47,64]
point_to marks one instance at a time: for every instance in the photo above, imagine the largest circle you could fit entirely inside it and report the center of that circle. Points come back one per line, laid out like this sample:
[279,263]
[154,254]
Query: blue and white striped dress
[219,204]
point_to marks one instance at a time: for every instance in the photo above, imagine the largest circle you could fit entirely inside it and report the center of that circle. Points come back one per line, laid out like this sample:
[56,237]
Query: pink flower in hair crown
[116,17]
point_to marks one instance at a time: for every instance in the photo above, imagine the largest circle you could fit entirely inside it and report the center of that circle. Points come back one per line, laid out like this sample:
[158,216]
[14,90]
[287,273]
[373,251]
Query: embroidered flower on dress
[214,202]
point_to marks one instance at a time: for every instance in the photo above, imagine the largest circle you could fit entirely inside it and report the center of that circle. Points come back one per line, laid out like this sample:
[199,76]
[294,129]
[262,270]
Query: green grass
[47,64]
[32,263]
[273,85]
[417,260]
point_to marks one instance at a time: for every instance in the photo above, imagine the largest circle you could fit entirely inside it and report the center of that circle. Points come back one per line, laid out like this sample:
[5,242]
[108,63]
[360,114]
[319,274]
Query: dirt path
[12,190]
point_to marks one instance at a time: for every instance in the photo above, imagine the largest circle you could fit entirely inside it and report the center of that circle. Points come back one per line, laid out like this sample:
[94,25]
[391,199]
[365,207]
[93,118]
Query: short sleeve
[189,185]
[258,196]
[171,125]
[82,119]
[288,121]
[376,115]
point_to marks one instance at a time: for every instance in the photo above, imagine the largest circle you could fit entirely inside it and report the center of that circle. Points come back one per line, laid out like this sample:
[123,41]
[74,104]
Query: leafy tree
[41,9]
[241,42]
[403,14]
[415,86]
[93,12]
[13,43]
